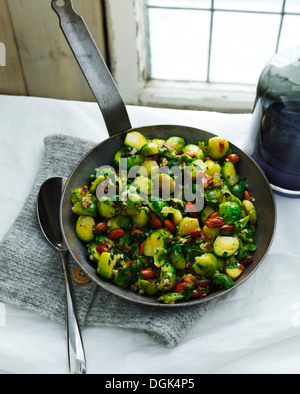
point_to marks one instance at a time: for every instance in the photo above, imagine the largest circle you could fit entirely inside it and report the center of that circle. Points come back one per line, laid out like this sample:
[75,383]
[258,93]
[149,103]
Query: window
[205,54]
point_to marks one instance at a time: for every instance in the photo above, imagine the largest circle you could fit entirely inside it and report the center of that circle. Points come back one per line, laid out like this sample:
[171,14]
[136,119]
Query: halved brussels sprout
[96,183]
[191,148]
[167,277]
[177,143]
[143,184]
[106,208]
[223,280]
[178,260]
[226,246]
[163,182]
[151,167]
[187,225]
[229,173]
[134,204]
[141,219]
[218,147]
[148,287]
[160,257]
[170,298]
[85,208]
[136,140]
[212,168]
[106,265]
[250,211]
[206,265]
[84,228]
[154,242]
[78,194]
[149,149]
[158,142]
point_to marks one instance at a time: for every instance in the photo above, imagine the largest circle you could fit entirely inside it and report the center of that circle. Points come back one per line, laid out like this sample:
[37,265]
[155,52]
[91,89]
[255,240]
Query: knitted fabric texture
[34,279]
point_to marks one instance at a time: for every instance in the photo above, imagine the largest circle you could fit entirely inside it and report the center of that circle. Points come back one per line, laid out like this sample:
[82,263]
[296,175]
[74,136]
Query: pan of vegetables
[166,215]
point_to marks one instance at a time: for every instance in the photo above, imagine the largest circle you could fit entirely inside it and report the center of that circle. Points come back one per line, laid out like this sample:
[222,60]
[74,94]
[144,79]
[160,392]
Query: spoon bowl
[48,213]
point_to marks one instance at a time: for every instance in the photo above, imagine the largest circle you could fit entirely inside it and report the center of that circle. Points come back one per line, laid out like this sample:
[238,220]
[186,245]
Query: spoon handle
[77,361]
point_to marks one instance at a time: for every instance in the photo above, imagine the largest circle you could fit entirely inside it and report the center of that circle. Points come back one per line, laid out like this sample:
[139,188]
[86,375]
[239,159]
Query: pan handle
[93,67]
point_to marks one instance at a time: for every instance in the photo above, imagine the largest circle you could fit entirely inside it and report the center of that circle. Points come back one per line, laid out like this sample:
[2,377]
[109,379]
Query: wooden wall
[39,61]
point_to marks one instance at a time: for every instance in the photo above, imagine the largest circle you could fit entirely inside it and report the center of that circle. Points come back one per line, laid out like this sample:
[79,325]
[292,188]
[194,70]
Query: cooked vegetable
[135,140]
[84,228]
[158,243]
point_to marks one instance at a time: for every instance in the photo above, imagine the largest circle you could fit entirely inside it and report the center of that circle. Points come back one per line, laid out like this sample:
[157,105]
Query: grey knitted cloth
[31,274]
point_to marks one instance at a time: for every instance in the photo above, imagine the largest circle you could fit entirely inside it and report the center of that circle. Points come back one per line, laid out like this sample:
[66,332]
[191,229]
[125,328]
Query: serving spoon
[48,216]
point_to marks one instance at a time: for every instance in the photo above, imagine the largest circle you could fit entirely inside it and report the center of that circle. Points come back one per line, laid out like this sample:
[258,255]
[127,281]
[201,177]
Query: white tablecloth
[255,329]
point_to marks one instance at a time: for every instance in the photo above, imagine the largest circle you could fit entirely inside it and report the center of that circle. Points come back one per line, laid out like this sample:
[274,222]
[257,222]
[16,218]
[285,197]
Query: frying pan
[118,125]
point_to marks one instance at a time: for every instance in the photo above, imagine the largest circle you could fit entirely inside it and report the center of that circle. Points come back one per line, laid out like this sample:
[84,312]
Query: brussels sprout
[177,217]
[119,221]
[96,183]
[134,161]
[151,167]
[93,253]
[163,182]
[160,257]
[154,242]
[212,168]
[250,211]
[170,298]
[225,246]
[206,265]
[187,225]
[169,154]
[86,207]
[178,260]
[223,280]
[230,212]
[213,197]
[177,143]
[229,174]
[78,194]
[191,148]
[121,154]
[206,212]
[106,265]
[211,232]
[239,190]
[204,146]
[167,277]
[218,148]
[106,208]
[134,204]
[233,270]
[135,140]
[148,287]
[143,184]
[158,142]
[164,232]
[141,219]
[149,149]
[84,228]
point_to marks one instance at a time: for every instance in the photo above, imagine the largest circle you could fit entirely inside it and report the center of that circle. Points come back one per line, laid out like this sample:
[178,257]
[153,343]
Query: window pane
[250,5]
[290,32]
[179,41]
[292,6]
[180,3]
[240,52]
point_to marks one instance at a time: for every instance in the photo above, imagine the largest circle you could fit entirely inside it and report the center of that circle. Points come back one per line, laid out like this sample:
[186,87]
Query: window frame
[128,63]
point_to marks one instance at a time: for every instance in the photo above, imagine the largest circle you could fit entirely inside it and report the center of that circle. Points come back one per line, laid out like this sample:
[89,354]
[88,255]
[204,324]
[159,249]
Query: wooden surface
[39,61]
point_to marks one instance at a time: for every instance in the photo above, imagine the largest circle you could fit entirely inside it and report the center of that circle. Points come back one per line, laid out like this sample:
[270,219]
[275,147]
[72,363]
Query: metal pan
[118,124]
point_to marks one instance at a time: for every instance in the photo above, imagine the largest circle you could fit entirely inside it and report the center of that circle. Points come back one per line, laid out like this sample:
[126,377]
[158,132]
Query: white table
[255,329]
